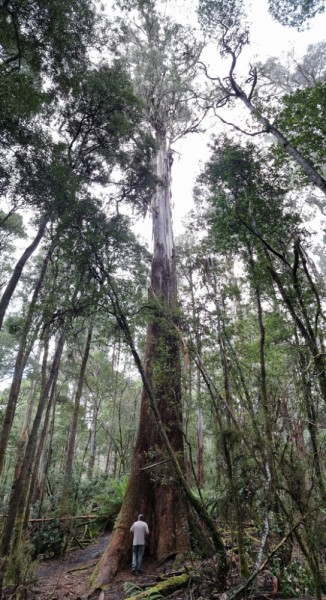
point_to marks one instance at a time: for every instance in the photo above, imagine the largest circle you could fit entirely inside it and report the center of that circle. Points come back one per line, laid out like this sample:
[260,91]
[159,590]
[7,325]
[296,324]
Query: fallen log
[77,517]
[59,518]
[165,588]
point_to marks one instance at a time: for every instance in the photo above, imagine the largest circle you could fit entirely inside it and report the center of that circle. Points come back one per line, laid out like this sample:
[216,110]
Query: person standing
[139,529]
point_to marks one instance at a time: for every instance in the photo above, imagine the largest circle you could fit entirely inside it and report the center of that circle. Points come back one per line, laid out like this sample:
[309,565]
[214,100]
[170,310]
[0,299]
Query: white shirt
[139,528]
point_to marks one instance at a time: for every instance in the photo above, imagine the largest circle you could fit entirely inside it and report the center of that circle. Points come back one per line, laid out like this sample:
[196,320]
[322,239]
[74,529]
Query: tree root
[165,588]
[83,567]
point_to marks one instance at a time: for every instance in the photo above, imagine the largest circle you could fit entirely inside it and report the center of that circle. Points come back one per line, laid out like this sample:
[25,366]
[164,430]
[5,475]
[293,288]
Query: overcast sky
[268,38]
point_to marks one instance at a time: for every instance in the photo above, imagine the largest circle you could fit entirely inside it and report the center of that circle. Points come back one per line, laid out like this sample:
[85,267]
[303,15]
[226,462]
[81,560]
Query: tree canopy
[188,382]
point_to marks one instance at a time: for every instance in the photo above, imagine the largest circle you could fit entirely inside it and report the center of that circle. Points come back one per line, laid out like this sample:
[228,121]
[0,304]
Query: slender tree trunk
[11,286]
[40,466]
[82,465]
[263,387]
[27,422]
[73,427]
[200,441]
[92,447]
[200,446]
[27,465]
[312,426]
[108,457]
[20,455]
[21,359]
[29,489]
[309,170]
[47,464]
[33,491]
[115,391]
[186,410]
[38,470]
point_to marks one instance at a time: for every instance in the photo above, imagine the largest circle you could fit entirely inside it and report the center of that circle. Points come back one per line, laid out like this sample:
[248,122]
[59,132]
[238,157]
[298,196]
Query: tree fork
[237,92]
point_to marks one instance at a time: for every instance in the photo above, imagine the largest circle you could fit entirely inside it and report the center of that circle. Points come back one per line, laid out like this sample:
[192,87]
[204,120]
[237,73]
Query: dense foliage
[88,108]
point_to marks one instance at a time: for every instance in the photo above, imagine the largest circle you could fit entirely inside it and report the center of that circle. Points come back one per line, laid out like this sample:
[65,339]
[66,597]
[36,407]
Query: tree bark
[92,445]
[73,427]
[160,501]
[27,465]
[227,447]
[311,173]
[27,422]
[37,477]
[21,359]
[48,462]
[11,286]
[309,170]
[312,425]
[30,487]
[192,500]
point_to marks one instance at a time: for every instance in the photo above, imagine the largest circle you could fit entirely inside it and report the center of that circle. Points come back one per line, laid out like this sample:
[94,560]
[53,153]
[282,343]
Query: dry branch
[83,567]
[230,595]
[154,465]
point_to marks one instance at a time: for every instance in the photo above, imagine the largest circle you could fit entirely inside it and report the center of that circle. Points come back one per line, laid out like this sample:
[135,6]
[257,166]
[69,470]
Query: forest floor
[68,578]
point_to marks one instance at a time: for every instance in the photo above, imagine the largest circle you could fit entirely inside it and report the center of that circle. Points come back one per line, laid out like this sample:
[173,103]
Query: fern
[131,588]
[110,503]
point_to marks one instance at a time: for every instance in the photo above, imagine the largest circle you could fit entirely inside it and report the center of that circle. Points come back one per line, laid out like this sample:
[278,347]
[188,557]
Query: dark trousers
[137,556]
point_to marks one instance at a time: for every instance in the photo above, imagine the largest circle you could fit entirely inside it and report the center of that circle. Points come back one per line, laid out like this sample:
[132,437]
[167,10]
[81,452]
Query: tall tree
[163,78]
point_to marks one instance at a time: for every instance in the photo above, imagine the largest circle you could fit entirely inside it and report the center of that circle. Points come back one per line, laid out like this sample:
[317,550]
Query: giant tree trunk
[154,492]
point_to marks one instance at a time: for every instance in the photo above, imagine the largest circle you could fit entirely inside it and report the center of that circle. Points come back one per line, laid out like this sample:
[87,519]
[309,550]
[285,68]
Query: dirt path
[68,578]
[73,559]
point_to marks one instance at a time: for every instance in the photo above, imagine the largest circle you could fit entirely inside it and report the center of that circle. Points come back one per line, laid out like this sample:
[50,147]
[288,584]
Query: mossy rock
[179,560]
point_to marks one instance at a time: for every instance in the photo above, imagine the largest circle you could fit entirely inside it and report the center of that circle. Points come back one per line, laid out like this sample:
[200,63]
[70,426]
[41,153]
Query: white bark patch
[163,276]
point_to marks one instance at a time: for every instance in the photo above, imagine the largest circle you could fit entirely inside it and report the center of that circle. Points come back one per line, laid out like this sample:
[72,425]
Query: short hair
[140,517]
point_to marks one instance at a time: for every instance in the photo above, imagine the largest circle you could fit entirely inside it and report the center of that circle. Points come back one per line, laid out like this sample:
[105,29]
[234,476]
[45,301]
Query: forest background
[95,108]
